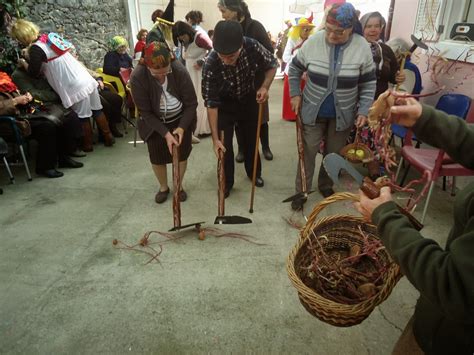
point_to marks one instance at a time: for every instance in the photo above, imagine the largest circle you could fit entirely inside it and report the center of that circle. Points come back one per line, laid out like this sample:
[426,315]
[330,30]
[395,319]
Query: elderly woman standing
[296,37]
[71,81]
[386,71]
[165,96]
[117,58]
[196,44]
[339,90]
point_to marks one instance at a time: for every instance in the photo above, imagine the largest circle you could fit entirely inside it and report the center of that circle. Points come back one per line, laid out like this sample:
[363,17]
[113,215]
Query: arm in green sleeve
[444,277]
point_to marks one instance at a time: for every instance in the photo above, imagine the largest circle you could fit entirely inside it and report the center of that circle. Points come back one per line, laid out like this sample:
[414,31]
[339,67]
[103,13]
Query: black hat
[228,37]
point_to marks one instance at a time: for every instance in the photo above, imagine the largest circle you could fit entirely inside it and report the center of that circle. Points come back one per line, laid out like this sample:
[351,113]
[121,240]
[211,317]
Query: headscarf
[157,55]
[295,31]
[342,15]
[116,42]
[364,19]
[6,83]
[332,2]
[232,5]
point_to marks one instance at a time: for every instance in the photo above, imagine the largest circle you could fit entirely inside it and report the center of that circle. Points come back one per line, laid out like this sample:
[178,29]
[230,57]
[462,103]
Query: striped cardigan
[352,81]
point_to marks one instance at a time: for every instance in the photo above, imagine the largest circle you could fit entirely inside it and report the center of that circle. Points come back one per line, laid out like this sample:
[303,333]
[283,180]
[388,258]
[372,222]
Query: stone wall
[89,24]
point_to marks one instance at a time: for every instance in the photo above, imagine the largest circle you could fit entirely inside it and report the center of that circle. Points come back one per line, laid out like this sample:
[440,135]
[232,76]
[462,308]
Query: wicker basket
[357,145]
[341,232]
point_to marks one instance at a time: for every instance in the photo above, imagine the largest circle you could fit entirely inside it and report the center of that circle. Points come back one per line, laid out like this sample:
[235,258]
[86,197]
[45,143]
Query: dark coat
[147,91]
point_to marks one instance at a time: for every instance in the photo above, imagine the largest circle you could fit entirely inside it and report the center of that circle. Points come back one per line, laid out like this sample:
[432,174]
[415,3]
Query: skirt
[158,149]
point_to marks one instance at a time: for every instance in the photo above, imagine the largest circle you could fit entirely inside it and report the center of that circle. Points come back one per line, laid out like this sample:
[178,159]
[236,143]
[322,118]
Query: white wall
[271,13]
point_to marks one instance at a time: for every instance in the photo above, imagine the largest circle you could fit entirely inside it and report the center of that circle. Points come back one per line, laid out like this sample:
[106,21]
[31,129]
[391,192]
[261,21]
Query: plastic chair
[435,160]
[17,139]
[114,81]
[3,154]
[400,131]
[125,74]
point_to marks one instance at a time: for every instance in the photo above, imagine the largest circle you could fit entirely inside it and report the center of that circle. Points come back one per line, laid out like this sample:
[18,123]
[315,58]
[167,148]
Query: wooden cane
[176,186]
[221,180]
[299,142]
[255,156]
[402,66]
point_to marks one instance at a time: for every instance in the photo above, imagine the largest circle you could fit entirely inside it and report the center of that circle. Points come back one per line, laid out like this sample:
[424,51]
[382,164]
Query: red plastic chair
[435,160]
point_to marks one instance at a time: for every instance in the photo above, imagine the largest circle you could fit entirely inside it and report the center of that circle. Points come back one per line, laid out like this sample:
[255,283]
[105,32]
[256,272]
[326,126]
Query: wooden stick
[402,66]
[255,156]
[176,187]
[300,144]
[221,180]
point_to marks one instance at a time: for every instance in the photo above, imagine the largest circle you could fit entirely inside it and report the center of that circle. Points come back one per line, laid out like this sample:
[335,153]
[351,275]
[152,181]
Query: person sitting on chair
[117,58]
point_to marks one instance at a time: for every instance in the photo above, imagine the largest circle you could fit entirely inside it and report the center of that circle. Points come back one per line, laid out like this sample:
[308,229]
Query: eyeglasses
[157,71]
[336,32]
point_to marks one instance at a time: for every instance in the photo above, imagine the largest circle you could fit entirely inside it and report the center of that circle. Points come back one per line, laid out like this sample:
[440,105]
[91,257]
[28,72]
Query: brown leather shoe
[162,196]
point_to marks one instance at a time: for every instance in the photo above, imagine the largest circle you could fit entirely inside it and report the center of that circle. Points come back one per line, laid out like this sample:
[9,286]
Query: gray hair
[398,46]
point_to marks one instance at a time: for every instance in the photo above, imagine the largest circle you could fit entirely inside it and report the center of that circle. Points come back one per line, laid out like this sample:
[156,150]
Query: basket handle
[340,196]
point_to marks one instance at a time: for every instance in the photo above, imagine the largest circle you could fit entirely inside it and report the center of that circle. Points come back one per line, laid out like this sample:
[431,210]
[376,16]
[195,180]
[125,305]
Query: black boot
[115,132]
[267,153]
[67,162]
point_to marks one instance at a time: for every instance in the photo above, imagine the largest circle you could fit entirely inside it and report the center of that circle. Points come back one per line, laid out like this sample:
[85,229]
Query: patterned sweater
[352,79]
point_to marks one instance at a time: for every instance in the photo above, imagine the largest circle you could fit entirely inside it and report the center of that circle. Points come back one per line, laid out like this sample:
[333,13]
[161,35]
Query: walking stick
[299,141]
[221,217]
[176,190]
[255,156]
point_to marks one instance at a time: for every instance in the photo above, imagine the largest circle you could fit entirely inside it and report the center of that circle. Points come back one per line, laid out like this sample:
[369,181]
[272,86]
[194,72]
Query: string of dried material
[292,222]
[345,280]
[380,121]
[144,245]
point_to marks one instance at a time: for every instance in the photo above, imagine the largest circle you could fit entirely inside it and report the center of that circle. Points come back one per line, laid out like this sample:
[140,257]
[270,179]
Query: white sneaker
[195,140]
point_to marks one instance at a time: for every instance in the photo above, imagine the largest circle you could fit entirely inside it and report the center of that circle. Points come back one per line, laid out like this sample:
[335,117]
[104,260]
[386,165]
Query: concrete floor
[65,289]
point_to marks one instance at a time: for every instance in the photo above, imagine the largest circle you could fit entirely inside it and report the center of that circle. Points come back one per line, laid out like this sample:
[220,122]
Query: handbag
[24,126]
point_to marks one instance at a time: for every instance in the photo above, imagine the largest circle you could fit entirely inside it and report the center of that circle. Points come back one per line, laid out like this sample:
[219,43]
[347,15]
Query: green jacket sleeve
[445,277]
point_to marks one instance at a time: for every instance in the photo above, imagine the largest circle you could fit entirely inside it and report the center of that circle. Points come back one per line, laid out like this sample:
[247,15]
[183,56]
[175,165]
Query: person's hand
[101,84]
[262,95]
[179,132]
[406,111]
[170,140]
[304,76]
[366,206]
[22,63]
[361,121]
[400,77]
[296,104]
[22,99]
[218,145]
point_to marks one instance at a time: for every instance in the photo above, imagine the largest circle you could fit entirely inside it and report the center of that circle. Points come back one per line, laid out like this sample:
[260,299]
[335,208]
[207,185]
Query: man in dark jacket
[443,322]
[231,95]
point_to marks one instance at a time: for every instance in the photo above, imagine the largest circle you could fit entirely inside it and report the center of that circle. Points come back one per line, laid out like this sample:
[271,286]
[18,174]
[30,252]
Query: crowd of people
[189,84]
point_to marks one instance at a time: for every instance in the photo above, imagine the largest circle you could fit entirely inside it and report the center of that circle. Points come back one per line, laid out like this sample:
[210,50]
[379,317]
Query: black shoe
[240,157]
[78,154]
[259,182]
[327,192]
[66,162]
[115,132]
[297,205]
[183,196]
[227,191]
[267,153]
[50,173]
[162,196]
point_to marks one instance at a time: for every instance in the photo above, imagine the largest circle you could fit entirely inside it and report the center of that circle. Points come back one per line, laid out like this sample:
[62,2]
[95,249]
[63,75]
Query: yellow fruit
[351,151]
[360,153]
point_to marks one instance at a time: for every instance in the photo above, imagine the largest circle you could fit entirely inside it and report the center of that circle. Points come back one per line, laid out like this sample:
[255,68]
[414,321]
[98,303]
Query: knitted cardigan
[352,80]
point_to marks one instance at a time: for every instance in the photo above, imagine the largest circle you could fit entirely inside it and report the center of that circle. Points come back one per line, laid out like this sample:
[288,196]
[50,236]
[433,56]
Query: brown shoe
[162,196]
[183,196]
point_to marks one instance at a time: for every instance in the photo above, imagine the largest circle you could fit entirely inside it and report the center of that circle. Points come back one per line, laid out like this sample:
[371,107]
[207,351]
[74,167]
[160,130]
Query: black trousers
[243,113]
[112,105]
[45,133]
